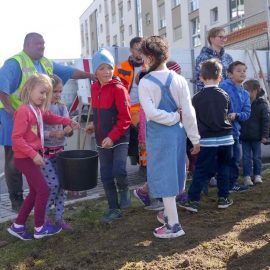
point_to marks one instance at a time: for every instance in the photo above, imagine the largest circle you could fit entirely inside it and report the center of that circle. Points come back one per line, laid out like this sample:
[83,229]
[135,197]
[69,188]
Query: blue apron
[166,148]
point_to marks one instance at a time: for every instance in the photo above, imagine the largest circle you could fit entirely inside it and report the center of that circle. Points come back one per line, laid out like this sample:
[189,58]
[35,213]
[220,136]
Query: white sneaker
[248,181]
[213,182]
[258,179]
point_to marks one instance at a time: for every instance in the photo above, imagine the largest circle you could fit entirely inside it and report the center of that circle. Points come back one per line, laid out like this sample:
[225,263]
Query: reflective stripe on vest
[28,69]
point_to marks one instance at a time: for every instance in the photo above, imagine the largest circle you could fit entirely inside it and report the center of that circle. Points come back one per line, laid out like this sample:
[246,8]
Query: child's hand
[196,149]
[68,130]
[90,128]
[107,143]
[74,124]
[38,160]
[142,146]
[231,116]
[263,140]
[59,134]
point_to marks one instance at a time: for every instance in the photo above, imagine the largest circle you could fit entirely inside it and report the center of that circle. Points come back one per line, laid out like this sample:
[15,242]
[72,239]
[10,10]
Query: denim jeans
[113,163]
[251,152]
[234,164]
[204,166]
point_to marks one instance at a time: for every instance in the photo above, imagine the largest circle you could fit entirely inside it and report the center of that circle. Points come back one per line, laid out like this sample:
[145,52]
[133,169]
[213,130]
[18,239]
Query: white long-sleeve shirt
[150,96]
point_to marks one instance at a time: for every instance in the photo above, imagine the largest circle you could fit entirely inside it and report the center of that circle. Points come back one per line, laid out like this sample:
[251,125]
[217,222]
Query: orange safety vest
[125,71]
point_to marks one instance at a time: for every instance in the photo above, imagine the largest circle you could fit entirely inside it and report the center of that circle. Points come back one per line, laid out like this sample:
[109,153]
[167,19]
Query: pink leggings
[38,194]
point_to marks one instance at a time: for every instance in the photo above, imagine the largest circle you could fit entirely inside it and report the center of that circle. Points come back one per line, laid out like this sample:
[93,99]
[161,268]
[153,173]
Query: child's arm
[141,135]
[21,124]
[123,117]
[246,109]
[265,122]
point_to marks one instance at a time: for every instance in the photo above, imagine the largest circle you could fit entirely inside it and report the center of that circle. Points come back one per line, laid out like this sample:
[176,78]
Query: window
[177,33]
[122,39]
[147,18]
[175,3]
[161,16]
[128,5]
[121,16]
[130,29]
[194,5]
[106,6]
[195,28]
[101,28]
[82,35]
[99,8]
[115,40]
[214,15]
[237,11]
[108,40]
[107,24]
[113,11]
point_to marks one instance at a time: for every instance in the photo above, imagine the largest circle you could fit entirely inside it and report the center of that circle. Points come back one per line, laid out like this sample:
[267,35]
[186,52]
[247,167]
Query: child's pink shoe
[167,231]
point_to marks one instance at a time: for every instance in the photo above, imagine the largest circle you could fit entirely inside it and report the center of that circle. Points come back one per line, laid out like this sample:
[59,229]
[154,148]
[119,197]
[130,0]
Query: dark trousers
[204,166]
[12,175]
[38,192]
[113,164]
[234,164]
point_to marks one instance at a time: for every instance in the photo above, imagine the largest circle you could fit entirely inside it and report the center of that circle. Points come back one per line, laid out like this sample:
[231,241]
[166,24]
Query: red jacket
[111,108]
[26,141]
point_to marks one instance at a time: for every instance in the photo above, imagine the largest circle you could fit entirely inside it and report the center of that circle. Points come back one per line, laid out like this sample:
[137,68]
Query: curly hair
[157,47]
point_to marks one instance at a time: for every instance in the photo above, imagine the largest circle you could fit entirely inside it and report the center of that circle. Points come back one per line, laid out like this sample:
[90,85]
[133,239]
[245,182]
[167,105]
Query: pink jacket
[142,129]
[26,141]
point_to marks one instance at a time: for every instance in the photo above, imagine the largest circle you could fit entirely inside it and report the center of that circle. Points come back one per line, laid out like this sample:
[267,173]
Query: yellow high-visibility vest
[28,69]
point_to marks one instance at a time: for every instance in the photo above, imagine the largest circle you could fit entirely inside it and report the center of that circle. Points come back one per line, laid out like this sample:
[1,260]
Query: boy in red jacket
[111,108]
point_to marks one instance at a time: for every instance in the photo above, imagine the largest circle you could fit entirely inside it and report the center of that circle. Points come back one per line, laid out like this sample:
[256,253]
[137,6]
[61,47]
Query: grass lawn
[235,238]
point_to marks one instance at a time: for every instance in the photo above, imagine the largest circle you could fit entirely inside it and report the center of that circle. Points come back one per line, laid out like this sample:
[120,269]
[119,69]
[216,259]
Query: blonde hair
[31,83]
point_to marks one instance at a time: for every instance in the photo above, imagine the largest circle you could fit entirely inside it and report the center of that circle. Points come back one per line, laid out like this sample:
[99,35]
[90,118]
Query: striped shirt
[217,141]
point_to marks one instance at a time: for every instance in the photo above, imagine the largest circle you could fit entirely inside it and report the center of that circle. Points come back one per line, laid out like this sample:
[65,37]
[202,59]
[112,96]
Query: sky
[56,20]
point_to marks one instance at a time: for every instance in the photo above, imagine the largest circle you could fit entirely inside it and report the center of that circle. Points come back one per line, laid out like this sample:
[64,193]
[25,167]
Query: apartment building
[183,22]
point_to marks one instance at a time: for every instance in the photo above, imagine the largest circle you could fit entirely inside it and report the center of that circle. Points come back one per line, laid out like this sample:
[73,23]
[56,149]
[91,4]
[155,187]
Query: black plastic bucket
[77,169]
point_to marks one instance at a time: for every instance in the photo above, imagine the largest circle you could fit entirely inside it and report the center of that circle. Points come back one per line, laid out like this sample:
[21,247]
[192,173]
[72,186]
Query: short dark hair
[211,69]
[252,85]
[234,64]
[134,41]
[30,36]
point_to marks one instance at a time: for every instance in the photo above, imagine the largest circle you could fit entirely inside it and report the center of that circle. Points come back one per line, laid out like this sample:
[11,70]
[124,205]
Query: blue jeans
[113,164]
[251,152]
[204,166]
[234,164]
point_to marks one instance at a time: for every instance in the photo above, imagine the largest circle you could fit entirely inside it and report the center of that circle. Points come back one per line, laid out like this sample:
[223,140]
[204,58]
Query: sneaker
[47,230]
[182,197]
[191,206]
[167,231]
[213,182]
[248,181]
[112,215]
[156,205]
[141,196]
[258,179]
[20,233]
[65,226]
[162,218]
[224,202]
[238,188]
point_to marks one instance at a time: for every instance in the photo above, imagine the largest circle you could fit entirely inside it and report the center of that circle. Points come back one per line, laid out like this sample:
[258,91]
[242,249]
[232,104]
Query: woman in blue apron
[162,94]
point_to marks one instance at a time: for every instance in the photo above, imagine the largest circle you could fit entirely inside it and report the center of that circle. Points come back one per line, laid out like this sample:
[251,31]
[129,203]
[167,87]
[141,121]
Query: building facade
[184,23]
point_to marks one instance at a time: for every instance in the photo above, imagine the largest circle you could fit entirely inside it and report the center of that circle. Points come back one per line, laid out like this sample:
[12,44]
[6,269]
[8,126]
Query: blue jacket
[240,104]
[209,53]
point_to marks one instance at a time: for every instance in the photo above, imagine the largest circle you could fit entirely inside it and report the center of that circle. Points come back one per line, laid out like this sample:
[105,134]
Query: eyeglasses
[222,37]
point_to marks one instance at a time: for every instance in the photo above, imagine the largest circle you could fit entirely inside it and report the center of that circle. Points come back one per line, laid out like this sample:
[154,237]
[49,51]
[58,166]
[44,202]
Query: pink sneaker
[167,231]
[65,226]
[161,218]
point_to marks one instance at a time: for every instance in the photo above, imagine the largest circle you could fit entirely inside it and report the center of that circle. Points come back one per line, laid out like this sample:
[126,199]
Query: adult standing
[13,75]
[216,39]
[127,72]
